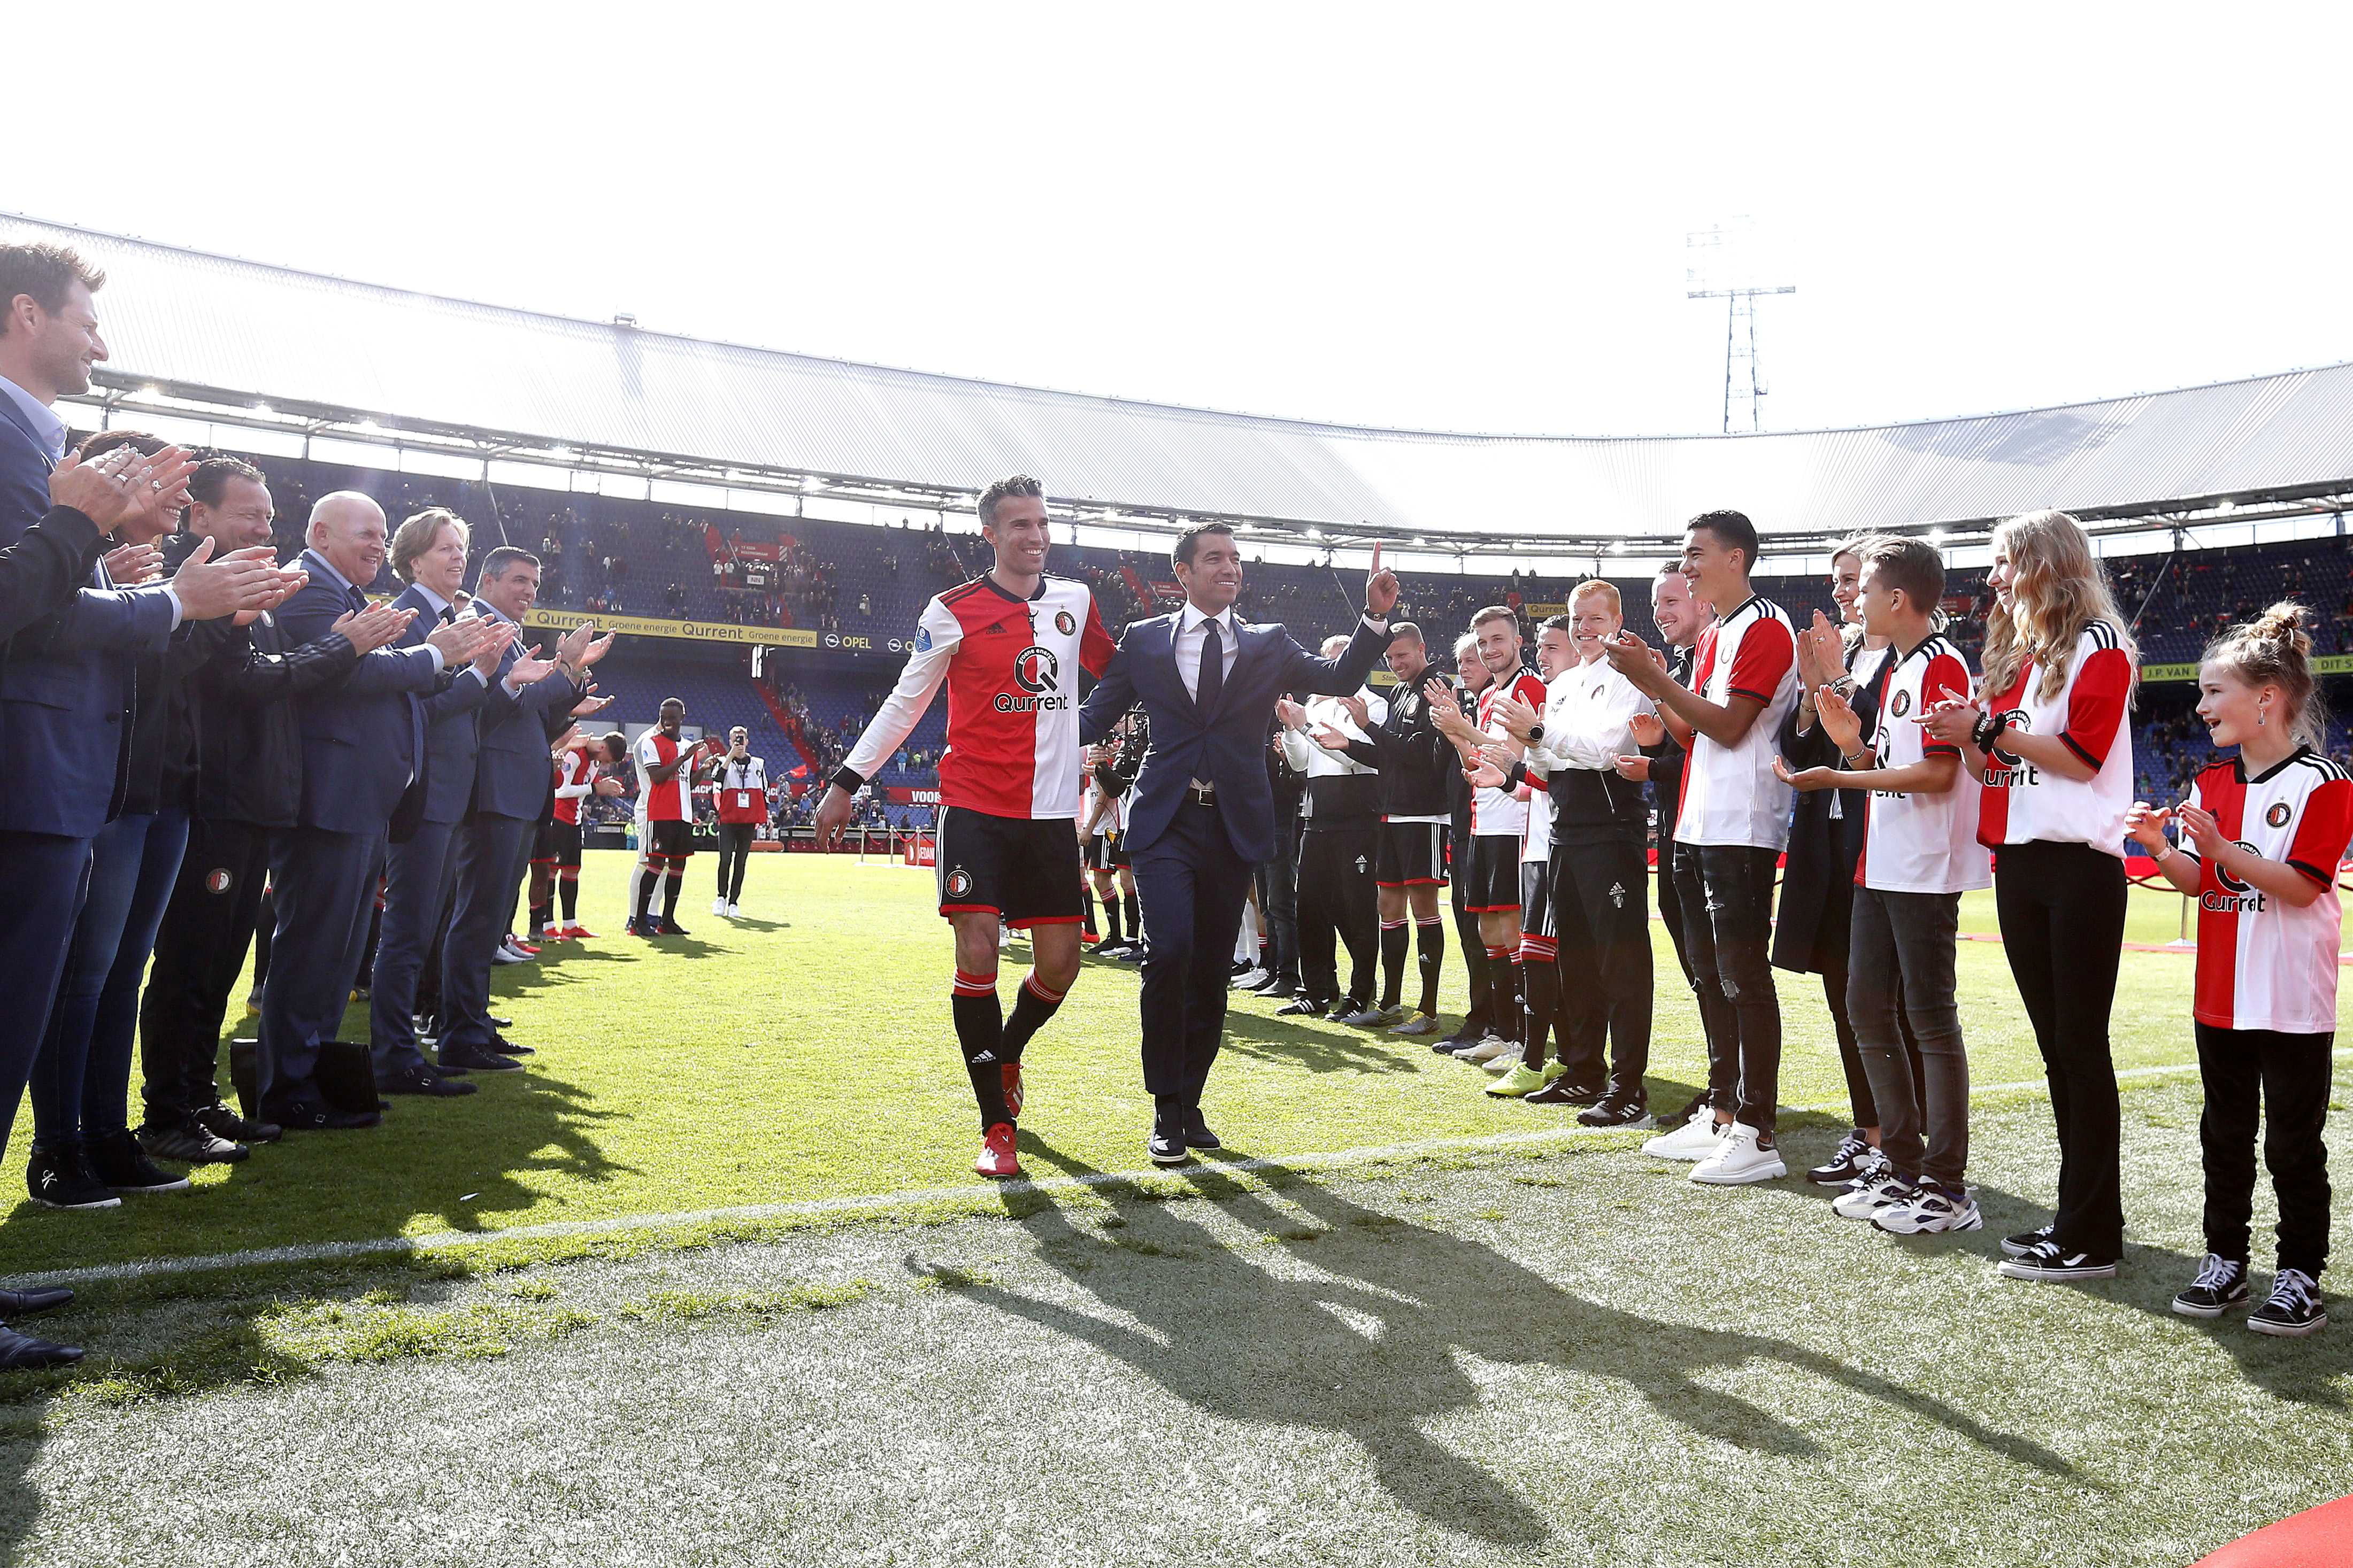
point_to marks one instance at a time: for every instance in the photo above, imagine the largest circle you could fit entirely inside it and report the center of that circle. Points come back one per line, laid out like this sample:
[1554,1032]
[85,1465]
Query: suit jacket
[451,736]
[68,683]
[362,736]
[512,775]
[1222,747]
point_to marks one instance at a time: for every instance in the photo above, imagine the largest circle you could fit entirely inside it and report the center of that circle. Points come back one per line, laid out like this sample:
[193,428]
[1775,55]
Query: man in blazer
[428,553]
[1202,814]
[362,749]
[530,703]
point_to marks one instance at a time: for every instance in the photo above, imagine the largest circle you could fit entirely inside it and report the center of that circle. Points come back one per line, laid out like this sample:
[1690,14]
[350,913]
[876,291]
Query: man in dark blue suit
[428,553]
[363,750]
[530,703]
[1202,814]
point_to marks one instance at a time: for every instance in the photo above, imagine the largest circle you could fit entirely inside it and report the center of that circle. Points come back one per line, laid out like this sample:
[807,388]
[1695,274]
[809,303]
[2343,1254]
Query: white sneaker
[1502,1062]
[1739,1159]
[1930,1211]
[734,912]
[508,953]
[1250,979]
[719,906]
[1694,1140]
[1488,1049]
[1865,1197]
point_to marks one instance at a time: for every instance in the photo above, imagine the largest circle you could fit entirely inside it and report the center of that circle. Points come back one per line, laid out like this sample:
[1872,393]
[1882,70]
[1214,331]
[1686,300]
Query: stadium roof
[336,358]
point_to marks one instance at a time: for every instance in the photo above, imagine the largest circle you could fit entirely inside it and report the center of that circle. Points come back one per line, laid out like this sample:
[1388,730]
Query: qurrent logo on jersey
[1037,670]
[2237,897]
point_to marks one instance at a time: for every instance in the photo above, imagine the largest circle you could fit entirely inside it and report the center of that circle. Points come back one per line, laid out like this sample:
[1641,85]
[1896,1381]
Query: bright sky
[1460,217]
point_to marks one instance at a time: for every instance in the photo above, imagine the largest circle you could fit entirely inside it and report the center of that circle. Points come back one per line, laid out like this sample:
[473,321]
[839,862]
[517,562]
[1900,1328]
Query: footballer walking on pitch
[1009,644]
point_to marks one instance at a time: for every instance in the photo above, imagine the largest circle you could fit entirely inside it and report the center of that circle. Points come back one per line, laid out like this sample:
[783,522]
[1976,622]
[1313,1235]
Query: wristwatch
[1535,731]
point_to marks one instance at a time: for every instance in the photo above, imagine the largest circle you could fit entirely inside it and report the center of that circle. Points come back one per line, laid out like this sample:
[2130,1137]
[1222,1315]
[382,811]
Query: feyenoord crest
[218,880]
[1901,705]
[959,882]
[2278,814]
[1065,623]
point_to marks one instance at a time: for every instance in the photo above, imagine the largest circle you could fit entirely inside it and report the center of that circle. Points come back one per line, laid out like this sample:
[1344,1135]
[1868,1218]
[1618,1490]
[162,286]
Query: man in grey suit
[530,703]
[428,553]
[363,750]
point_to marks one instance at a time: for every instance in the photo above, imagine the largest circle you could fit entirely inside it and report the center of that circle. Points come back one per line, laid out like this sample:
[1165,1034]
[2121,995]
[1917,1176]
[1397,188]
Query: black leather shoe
[472,1058]
[507,1047]
[422,1079]
[25,1303]
[21,1353]
[1167,1144]
[317,1116]
[498,1023]
[1197,1135]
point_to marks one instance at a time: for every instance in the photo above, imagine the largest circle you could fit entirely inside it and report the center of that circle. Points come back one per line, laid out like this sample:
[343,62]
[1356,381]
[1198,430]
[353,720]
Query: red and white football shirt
[740,790]
[571,784]
[1921,843]
[1012,672]
[2261,962]
[1500,811]
[1730,794]
[661,801]
[2023,803]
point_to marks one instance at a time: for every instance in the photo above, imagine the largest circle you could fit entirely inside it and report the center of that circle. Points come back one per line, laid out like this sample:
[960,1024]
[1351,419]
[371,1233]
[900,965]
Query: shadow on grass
[1324,1048]
[1371,1345]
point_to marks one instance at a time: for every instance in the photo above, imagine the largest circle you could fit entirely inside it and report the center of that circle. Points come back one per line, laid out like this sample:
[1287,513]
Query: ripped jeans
[1738,1007]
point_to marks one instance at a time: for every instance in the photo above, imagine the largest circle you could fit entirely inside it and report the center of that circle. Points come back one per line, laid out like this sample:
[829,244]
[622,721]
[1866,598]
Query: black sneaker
[2026,1241]
[669,927]
[1300,1007]
[60,1178]
[1167,1144]
[1344,1008]
[506,1047]
[2293,1309]
[2047,1262]
[316,1116]
[117,1160]
[190,1143]
[2220,1285]
[1568,1091]
[1197,1135]
[1617,1108]
[222,1122]
[1843,1165]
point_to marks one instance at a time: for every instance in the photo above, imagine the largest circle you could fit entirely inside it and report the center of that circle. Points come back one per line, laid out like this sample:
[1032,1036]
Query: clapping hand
[581,647]
[1804,778]
[1630,657]
[370,629]
[128,565]
[459,641]
[1357,710]
[1821,653]
[1484,773]
[126,489]
[590,706]
[241,580]
[1648,729]
[1516,716]
[1837,716]
[1952,721]
[2145,825]
[2205,834]
[1635,770]
[1291,714]
[1330,738]
[1381,588]
[502,638]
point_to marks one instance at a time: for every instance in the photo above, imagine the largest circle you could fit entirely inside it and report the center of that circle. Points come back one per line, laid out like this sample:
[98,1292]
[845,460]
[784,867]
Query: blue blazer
[362,736]
[449,730]
[1225,747]
[67,684]
[512,775]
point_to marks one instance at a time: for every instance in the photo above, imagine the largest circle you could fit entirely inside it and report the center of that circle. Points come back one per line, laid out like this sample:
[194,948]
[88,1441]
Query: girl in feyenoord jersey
[2261,845]
[2050,742]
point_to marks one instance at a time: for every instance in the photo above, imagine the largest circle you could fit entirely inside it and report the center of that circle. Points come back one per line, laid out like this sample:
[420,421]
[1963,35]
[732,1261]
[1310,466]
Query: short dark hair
[1564,625]
[100,442]
[1908,563]
[616,744]
[1403,631]
[1182,555]
[503,559]
[213,475]
[47,273]
[1733,531]
[1494,613]
[1011,485]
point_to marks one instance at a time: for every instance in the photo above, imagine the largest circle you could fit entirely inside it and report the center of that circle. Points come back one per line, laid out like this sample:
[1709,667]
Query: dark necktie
[1212,678]
[449,613]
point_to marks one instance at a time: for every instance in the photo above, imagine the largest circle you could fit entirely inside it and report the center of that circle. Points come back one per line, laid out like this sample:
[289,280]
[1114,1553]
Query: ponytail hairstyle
[2273,650]
[2057,587]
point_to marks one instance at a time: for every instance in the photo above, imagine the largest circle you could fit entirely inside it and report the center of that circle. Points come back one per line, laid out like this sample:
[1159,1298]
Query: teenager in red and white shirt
[1009,644]
[1733,825]
[2262,842]
[2050,744]
[1491,887]
[1920,854]
[666,762]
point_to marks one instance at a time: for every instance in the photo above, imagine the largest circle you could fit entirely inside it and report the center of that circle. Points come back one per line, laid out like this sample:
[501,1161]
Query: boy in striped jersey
[2261,844]
[1920,853]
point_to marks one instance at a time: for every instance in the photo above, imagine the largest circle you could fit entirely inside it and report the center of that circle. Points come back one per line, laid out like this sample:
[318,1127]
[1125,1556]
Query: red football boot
[576,932]
[996,1155]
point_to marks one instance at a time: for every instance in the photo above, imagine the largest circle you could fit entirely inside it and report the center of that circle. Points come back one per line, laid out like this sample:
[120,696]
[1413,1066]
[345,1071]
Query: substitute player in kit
[1009,644]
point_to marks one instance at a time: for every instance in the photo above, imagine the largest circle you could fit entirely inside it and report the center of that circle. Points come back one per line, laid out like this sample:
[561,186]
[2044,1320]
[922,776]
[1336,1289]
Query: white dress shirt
[46,423]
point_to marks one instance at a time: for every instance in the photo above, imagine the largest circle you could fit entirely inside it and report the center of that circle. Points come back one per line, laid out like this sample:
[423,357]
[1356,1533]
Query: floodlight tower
[1722,269]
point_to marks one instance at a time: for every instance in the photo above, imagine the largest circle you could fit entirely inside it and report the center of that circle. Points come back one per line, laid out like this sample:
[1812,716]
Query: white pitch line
[451,1240]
